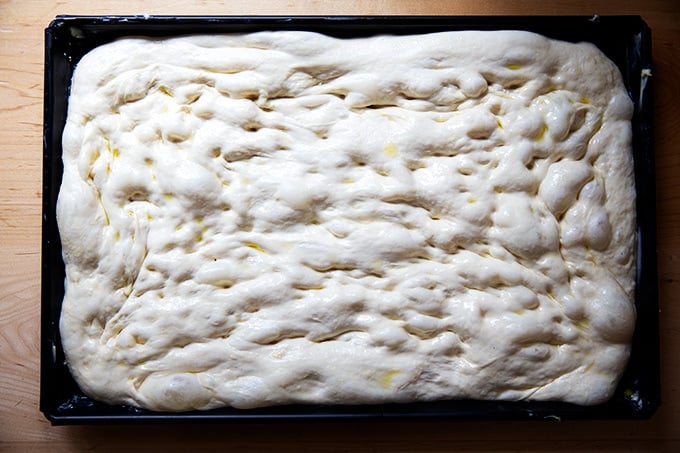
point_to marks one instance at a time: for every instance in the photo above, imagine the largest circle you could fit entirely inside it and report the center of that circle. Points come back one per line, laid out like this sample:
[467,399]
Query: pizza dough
[286,217]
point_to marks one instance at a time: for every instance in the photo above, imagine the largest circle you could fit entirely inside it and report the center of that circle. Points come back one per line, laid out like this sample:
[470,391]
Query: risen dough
[286,217]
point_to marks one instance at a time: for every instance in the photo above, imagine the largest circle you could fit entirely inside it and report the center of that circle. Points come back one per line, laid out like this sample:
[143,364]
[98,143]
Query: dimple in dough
[286,217]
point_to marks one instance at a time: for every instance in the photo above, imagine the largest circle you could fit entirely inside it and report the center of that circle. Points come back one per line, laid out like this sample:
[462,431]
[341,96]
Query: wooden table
[22,426]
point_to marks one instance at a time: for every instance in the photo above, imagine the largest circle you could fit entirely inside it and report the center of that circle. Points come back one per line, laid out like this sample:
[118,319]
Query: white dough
[284,217]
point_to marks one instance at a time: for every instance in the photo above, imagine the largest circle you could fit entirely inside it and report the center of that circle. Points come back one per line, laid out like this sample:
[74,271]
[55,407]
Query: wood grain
[22,426]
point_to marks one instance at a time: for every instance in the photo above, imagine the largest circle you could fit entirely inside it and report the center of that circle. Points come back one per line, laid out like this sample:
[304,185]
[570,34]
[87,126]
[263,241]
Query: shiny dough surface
[285,217]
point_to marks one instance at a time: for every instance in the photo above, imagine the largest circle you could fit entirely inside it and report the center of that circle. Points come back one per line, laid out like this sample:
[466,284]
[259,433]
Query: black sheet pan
[624,39]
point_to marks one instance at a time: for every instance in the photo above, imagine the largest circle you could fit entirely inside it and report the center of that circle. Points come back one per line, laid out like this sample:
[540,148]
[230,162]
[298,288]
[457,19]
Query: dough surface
[286,217]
